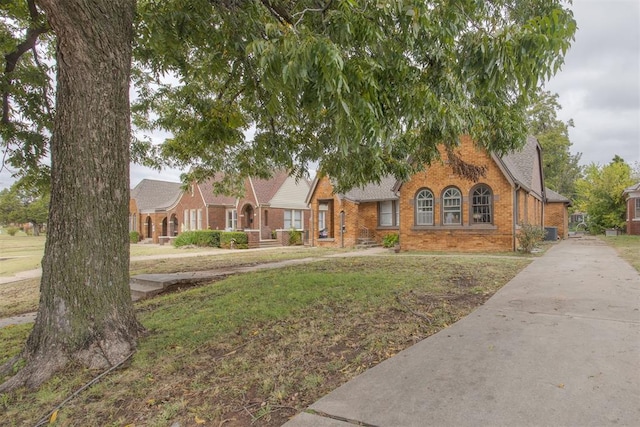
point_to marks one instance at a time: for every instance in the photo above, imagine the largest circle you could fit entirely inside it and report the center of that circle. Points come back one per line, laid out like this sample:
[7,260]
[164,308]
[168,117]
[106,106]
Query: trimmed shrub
[390,240]
[198,238]
[240,240]
[12,230]
[529,236]
[295,237]
[134,237]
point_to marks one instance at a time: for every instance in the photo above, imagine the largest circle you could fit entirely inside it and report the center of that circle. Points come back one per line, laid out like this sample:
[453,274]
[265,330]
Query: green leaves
[353,87]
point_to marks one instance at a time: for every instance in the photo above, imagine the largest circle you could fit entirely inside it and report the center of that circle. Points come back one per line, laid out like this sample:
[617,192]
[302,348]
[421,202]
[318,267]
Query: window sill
[465,228]
[387,227]
[326,239]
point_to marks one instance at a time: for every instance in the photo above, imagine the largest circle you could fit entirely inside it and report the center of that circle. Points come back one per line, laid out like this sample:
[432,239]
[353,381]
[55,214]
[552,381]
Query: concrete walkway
[559,345]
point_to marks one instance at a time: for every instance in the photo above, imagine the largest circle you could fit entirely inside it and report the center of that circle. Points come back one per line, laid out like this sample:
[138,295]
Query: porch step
[271,243]
[367,243]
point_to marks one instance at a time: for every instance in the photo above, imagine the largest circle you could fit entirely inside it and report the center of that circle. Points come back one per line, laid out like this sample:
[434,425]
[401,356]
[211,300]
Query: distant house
[632,196]
[438,210]
[148,203]
[264,207]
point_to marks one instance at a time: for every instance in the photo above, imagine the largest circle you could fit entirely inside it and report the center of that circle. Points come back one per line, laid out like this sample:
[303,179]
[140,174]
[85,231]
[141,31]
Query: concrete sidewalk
[559,345]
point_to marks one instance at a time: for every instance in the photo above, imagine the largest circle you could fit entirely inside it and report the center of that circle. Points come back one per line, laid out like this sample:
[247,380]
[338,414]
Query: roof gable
[291,194]
[210,197]
[266,189]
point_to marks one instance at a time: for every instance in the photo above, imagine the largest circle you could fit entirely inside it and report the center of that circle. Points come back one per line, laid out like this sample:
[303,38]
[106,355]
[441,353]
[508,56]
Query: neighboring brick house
[437,209]
[365,214]
[632,196]
[266,206]
[557,212]
[148,203]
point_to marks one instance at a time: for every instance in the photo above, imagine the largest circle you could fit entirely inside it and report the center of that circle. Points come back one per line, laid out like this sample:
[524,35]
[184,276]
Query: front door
[247,217]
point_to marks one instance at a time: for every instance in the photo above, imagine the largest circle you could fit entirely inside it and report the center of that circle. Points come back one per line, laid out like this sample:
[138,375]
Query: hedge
[198,238]
[240,239]
[134,237]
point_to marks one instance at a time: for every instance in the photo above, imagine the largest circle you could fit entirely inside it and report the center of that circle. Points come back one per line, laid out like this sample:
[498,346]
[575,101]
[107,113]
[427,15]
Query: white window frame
[424,207]
[185,220]
[293,219]
[193,224]
[199,219]
[231,221]
[451,206]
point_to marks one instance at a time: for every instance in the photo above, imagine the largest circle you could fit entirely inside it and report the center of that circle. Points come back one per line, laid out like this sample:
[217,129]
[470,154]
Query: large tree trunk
[85,313]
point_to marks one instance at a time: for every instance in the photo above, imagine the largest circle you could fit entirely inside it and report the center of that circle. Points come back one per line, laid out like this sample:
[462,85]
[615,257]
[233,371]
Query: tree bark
[85,313]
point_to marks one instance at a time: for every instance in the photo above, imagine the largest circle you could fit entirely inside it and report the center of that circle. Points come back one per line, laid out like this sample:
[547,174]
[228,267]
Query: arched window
[481,205]
[424,207]
[451,206]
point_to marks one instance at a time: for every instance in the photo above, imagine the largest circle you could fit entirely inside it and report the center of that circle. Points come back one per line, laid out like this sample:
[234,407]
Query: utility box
[611,232]
[551,234]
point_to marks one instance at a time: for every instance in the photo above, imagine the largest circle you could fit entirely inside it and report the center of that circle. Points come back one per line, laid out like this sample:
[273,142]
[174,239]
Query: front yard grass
[256,348]
[628,247]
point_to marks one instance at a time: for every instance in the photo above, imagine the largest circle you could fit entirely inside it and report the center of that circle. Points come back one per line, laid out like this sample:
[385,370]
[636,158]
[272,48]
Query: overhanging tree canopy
[356,87]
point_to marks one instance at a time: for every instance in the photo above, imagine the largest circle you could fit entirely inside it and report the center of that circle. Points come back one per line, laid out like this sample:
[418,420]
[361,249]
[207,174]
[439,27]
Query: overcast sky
[599,87]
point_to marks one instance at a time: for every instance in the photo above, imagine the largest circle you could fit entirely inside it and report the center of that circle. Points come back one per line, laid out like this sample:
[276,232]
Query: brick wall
[557,215]
[497,236]
[633,218]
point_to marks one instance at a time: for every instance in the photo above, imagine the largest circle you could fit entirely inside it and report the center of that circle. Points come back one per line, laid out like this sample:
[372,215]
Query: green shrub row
[240,240]
[198,238]
[213,238]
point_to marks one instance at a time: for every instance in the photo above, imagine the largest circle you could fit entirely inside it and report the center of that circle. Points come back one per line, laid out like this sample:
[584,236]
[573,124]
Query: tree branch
[463,169]
[11,59]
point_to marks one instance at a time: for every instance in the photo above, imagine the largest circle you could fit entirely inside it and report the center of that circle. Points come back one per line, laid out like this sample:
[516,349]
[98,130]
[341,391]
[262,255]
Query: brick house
[632,196]
[148,203]
[437,209]
[556,212]
[265,206]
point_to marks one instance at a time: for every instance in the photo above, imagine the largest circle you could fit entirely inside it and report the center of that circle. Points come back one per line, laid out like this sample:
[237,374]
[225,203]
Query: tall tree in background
[600,194]
[561,167]
[356,86]
[18,205]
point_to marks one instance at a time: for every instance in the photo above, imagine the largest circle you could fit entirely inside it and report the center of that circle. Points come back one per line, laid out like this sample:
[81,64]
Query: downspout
[342,228]
[515,216]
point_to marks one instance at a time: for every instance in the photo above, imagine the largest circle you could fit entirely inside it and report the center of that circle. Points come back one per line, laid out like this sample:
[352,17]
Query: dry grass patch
[19,297]
[257,348]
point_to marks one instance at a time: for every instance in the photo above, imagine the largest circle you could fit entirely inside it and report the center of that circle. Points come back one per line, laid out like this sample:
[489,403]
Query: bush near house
[198,238]
[134,237]
[529,236]
[295,237]
[390,240]
[239,238]
[12,230]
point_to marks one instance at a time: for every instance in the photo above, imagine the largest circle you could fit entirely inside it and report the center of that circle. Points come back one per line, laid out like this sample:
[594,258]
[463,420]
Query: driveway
[559,345]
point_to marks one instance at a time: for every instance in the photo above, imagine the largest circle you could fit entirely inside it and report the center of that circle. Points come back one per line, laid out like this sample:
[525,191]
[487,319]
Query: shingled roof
[265,189]
[152,195]
[520,164]
[212,199]
[554,197]
[374,192]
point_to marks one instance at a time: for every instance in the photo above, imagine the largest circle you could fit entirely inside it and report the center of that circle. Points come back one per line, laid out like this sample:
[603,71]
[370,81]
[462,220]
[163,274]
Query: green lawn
[255,349]
[628,248]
